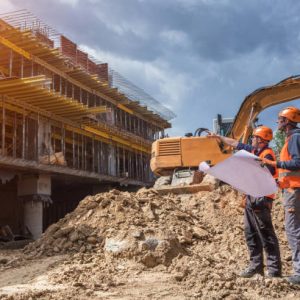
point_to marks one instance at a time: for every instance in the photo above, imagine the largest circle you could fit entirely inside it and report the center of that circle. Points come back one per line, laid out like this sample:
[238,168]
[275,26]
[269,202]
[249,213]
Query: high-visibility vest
[263,154]
[287,178]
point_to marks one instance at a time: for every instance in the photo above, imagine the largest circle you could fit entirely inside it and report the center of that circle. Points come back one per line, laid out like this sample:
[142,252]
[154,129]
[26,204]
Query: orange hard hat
[263,132]
[291,113]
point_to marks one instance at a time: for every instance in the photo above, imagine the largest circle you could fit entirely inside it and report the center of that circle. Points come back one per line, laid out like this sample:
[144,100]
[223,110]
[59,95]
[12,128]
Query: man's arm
[232,142]
[229,141]
[226,140]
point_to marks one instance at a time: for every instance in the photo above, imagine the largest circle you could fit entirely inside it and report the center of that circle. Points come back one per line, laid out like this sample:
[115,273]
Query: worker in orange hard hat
[264,132]
[259,231]
[289,181]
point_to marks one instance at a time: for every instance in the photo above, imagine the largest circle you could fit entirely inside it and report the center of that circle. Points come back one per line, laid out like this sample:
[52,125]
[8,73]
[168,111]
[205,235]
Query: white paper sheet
[244,173]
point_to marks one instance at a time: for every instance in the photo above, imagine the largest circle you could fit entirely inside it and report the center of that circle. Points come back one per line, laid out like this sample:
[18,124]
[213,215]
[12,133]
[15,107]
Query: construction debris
[196,241]
[53,159]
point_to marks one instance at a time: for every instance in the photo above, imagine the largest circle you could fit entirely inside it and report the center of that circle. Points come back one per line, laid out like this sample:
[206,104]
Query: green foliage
[278,142]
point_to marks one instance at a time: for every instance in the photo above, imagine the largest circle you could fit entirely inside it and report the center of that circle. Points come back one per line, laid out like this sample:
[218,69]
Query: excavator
[175,160]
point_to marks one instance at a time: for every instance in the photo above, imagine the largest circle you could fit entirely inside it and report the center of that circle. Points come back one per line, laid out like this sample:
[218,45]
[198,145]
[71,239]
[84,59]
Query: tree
[278,142]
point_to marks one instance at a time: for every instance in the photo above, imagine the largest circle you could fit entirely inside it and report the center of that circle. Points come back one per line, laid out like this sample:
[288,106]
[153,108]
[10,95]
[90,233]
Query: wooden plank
[185,189]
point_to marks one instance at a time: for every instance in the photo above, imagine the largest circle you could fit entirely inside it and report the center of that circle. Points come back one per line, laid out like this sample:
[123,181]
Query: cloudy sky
[197,57]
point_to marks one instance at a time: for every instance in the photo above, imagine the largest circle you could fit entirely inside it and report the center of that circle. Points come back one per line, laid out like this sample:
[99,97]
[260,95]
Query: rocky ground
[121,245]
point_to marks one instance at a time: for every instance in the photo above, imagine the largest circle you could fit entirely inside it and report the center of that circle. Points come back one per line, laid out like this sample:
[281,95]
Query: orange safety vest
[288,179]
[263,154]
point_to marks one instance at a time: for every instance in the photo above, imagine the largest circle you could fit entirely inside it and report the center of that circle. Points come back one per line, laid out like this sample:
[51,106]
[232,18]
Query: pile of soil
[197,240]
[142,226]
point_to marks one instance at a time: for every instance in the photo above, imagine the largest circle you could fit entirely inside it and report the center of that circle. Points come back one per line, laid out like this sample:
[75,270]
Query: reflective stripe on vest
[288,179]
[292,173]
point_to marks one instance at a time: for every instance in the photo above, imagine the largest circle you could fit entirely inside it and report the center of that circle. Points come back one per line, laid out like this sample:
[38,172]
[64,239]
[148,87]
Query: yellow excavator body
[184,152]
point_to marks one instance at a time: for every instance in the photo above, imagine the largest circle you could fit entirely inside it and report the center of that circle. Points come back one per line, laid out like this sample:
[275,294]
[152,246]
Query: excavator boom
[284,91]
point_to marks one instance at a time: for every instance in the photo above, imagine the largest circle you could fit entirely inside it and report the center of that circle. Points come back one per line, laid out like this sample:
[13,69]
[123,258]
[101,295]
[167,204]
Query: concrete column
[34,190]
[33,217]
[44,138]
[112,160]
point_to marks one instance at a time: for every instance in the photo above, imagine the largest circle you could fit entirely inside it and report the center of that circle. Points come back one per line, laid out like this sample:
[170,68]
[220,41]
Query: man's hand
[269,162]
[214,135]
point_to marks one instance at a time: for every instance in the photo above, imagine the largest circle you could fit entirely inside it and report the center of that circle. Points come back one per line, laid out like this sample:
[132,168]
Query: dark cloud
[207,55]
[217,32]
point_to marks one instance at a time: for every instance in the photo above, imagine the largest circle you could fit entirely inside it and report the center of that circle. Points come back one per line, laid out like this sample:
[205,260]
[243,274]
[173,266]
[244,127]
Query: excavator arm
[284,91]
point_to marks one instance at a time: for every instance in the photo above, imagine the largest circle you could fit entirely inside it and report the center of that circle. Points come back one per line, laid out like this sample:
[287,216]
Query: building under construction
[69,125]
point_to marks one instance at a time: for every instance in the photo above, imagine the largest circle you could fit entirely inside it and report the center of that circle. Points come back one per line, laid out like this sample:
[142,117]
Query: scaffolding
[26,21]
[64,111]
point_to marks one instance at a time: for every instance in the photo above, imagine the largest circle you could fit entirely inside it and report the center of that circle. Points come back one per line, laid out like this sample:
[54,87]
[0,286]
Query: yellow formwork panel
[55,62]
[66,108]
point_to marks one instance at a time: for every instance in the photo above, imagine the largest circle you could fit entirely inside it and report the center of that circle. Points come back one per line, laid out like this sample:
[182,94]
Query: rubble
[197,240]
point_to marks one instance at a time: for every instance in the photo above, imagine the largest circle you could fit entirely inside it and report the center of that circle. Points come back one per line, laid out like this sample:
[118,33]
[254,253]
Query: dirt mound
[124,224]
[197,239]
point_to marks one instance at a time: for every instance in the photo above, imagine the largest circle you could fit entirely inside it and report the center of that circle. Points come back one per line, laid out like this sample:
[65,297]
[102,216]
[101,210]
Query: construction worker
[258,227]
[289,181]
